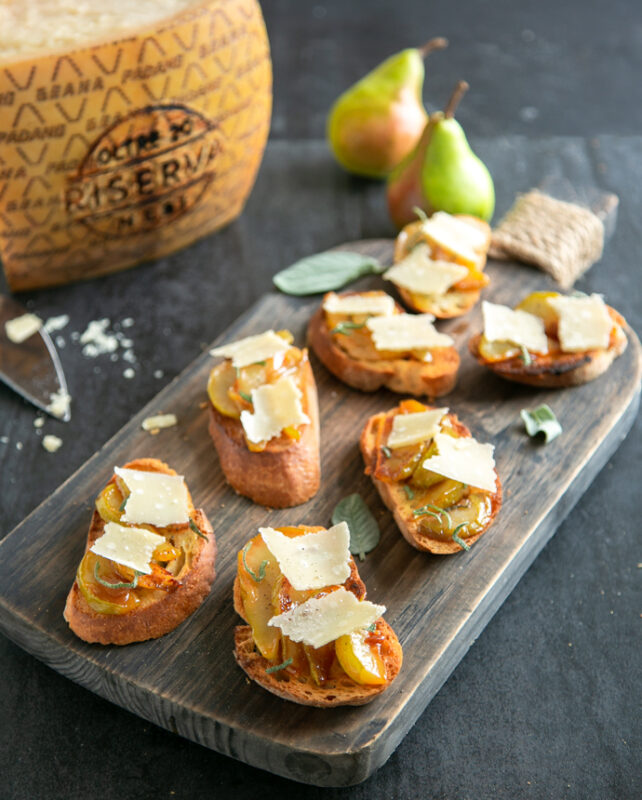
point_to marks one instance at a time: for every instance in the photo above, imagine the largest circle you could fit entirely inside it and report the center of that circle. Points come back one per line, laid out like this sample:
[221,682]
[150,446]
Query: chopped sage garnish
[386,451]
[525,356]
[364,531]
[260,363]
[457,538]
[246,397]
[278,667]
[420,213]
[196,529]
[372,628]
[433,511]
[347,327]
[121,507]
[131,585]
[258,578]
[409,493]
[541,420]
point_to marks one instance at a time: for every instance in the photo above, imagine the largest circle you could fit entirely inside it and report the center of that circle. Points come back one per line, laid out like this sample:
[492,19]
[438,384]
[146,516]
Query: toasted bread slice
[341,691]
[295,682]
[557,370]
[403,375]
[287,472]
[396,498]
[457,300]
[158,611]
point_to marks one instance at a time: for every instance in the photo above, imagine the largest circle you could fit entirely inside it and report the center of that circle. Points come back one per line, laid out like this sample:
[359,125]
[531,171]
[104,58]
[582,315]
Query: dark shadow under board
[188,681]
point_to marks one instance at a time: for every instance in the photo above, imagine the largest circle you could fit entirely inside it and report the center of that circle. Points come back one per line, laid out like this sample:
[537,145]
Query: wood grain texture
[188,681]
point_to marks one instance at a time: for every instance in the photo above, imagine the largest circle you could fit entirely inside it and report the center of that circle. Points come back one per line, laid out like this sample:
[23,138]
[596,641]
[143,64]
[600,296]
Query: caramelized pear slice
[538,305]
[109,502]
[257,573]
[221,380]
[100,598]
[359,660]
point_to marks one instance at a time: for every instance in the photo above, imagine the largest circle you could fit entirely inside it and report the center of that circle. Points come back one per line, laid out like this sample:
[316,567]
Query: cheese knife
[31,367]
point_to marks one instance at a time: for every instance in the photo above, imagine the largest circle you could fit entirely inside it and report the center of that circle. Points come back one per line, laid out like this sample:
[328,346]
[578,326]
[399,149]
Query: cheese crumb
[159,421]
[128,373]
[19,329]
[38,422]
[51,443]
[59,403]
[56,323]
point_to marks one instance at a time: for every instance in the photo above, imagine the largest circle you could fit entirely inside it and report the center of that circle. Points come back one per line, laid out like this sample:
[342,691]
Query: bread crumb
[51,443]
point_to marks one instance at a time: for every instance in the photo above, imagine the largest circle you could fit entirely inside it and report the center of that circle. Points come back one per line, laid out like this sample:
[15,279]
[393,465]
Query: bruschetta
[149,560]
[550,340]
[264,419]
[311,636]
[439,264]
[440,484]
[368,342]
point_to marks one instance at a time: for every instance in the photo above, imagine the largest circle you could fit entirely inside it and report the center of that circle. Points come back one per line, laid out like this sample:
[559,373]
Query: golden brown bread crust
[161,612]
[339,692]
[285,473]
[395,498]
[406,376]
[557,372]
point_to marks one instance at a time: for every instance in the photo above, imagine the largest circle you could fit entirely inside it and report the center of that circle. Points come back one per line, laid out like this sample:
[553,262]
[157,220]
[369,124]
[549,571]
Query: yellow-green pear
[375,124]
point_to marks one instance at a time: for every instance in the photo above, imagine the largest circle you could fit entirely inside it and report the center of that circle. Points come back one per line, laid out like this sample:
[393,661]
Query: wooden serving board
[188,681]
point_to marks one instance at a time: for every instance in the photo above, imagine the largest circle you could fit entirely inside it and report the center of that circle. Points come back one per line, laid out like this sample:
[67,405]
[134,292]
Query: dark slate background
[546,702]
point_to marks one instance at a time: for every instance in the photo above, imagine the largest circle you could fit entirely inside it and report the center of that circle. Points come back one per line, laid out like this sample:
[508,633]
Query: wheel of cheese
[124,146]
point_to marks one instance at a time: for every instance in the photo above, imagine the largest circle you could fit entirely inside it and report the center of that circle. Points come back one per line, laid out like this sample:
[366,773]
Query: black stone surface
[546,702]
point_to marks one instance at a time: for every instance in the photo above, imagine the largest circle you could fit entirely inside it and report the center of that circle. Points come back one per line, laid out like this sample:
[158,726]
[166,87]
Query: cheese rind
[321,620]
[155,498]
[459,238]
[252,349]
[406,332]
[465,460]
[313,560]
[276,406]
[377,305]
[583,323]
[419,273]
[131,547]
[410,429]
[504,324]
[19,329]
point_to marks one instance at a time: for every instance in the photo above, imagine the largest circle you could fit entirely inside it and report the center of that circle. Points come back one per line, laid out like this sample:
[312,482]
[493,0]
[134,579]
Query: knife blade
[32,367]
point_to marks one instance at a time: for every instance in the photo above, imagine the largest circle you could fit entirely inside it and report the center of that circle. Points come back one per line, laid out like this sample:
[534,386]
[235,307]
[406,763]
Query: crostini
[149,560]
[311,636]
[264,419]
[439,482]
[550,340]
[368,342]
[439,264]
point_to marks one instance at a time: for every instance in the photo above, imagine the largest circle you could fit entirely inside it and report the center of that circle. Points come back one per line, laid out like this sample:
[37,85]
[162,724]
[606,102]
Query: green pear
[377,122]
[453,178]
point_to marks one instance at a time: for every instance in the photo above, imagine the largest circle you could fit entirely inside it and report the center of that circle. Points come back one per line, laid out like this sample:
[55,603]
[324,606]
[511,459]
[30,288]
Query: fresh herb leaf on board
[364,530]
[541,420]
[324,272]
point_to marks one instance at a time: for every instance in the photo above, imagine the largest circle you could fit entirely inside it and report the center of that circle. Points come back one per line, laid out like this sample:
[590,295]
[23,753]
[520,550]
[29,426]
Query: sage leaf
[364,530]
[541,420]
[323,272]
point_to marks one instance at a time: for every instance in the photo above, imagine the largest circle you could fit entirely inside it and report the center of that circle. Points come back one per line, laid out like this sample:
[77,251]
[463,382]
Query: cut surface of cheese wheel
[128,129]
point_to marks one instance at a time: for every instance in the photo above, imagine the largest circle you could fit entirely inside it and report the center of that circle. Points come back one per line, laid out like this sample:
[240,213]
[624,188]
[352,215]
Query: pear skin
[453,178]
[375,124]
[404,190]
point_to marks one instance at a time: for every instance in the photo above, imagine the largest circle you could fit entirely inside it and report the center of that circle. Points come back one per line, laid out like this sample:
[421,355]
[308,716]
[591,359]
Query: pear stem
[459,91]
[438,43]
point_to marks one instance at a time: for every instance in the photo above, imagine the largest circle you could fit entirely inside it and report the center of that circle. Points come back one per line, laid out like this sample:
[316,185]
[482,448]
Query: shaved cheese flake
[276,406]
[456,236]
[159,421]
[503,324]
[410,429]
[19,329]
[406,332]
[464,460]
[155,498]
[377,305]
[418,273]
[252,349]
[313,560]
[131,547]
[584,323]
[321,620]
